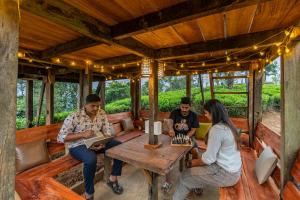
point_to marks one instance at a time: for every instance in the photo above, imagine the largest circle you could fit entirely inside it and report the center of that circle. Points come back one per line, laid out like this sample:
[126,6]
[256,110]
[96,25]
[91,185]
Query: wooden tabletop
[160,160]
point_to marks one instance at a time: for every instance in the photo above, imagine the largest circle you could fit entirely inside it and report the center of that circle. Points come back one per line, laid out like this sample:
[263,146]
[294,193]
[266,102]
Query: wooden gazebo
[84,41]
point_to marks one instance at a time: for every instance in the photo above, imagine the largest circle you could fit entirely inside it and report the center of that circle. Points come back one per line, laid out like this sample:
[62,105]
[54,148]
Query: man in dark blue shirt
[183,120]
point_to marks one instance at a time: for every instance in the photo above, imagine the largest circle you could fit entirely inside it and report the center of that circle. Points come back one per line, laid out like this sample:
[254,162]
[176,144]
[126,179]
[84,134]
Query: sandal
[166,187]
[114,185]
[198,191]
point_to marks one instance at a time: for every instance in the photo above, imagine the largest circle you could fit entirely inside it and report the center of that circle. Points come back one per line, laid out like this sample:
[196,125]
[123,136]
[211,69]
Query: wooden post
[254,98]
[87,83]
[153,101]
[188,86]
[135,91]
[290,137]
[211,81]
[9,37]
[39,109]
[201,89]
[80,90]
[29,103]
[50,97]
[102,93]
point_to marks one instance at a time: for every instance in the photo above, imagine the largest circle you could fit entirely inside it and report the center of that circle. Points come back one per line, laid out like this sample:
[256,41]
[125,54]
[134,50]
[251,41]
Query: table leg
[181,164]
[107,167]
[153,188]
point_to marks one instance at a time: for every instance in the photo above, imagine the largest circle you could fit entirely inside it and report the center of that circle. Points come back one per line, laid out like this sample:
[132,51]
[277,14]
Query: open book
[97,140]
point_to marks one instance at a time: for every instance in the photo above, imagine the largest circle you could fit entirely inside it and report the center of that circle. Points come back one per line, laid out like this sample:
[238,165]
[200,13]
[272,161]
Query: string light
[88,62]
[287,50]
[21,55]
[73,63]
[255,47]
[216,70]
[113,67]
[279,51]
[267,60]
[178,72]
[261,53]
[203,64]
[238,64]
[123,65]
[228,58]
[287,33]
[30,60]
[182,65]
[165,64]
[57,60]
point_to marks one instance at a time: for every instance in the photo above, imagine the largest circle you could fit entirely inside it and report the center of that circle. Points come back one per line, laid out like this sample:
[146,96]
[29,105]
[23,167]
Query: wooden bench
[292,188]
[38,182]
[248,187]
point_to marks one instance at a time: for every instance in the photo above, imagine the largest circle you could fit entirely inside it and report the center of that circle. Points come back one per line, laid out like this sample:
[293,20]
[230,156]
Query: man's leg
[89,158]
[117,164]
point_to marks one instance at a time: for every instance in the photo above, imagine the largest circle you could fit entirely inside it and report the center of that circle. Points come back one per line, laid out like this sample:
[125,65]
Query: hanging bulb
[278,44]
[182,65]
[287,50]
[279,51]
[123,65]
[267,60]
[203,64]
[30,60]
[88,62]
[228,58]
[113,67]
[287,33]
[73,63]
[165,64]
[21,55]
[57,60]
[255,47]
[261,53]
[238,64]
[216,70]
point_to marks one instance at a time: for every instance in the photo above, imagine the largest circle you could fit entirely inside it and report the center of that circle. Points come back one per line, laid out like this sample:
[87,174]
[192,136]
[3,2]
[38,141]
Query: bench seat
[248,187]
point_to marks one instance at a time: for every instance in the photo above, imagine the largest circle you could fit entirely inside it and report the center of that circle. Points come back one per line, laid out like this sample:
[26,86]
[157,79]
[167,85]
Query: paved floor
[136,187]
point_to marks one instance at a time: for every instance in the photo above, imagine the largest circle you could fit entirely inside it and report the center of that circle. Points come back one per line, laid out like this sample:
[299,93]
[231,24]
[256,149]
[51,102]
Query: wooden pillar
[85,86]
[290,126]
[87,83]
[135,92]
[254,98]
[50,97]
[102,93]
[29,103]
[211,81]
[188,86]
[201,89]
[9,37]
[153,101]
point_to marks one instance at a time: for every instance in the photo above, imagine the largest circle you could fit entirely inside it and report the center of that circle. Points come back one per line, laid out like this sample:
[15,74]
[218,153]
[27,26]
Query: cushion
[31,154]
[202,130]
[127,124]
[265,165]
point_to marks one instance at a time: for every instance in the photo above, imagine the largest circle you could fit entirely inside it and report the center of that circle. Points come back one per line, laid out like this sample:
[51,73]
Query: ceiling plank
[188,10]
[74,19]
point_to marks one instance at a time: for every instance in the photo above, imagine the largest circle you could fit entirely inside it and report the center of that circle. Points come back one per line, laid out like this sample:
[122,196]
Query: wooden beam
[265,38]
[211,85]
[9,35]
[188,89]
[102,93]
[50,97]
[66,15]
[185,11]
[29,103]
[68,47]
[119,60]
[153,101]
[290,85]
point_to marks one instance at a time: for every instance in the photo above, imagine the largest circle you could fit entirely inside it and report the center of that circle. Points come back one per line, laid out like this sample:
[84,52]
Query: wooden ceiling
[120,31]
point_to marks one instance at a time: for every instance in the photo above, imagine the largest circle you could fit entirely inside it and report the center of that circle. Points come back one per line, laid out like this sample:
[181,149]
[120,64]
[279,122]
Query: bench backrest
[238,122]
[265,136]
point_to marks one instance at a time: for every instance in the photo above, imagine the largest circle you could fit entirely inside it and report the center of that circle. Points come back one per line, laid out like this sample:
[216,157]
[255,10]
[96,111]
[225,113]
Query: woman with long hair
[220,165]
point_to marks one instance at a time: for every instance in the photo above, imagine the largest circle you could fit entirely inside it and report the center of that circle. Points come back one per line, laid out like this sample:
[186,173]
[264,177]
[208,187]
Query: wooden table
[154,161]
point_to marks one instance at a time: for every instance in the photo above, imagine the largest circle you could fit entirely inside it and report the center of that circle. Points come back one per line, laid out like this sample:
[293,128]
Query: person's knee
[114,143]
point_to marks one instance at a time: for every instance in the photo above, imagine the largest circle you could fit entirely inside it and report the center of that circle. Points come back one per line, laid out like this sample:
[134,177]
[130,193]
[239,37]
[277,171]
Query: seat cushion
[127,124]
[265,165]
[202,130]
[31,154]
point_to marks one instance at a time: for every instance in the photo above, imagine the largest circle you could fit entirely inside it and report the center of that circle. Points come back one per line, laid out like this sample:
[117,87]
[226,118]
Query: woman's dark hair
[219,114]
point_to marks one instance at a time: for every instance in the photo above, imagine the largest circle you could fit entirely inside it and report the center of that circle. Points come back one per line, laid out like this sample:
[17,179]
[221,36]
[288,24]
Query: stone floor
[136,187]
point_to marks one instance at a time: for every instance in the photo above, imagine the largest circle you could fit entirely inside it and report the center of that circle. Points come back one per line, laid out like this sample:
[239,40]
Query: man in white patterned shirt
[84,124]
